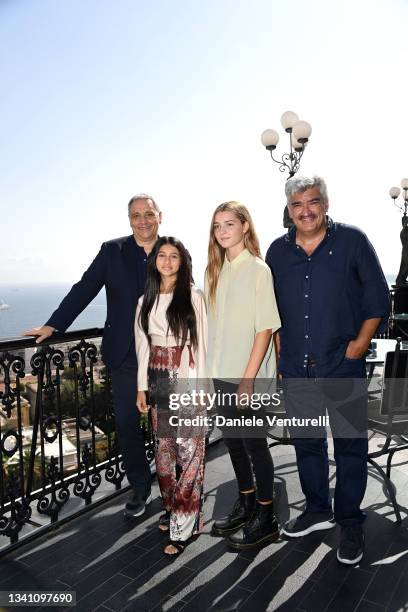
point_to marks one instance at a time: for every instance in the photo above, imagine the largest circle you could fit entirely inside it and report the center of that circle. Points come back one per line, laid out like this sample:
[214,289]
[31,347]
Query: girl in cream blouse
[242,316]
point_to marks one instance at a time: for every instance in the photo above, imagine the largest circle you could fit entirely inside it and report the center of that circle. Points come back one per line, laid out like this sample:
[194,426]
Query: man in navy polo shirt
[120,266]
[332,298]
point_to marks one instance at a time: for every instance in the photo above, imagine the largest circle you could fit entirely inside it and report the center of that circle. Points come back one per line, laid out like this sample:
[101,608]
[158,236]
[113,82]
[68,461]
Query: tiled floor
[113,564]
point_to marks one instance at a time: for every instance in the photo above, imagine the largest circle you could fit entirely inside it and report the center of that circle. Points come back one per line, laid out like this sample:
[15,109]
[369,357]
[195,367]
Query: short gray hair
[143,196]
[302,183]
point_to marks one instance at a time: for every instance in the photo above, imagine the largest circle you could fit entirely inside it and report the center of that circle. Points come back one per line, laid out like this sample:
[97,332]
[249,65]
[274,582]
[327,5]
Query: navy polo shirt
[324,298]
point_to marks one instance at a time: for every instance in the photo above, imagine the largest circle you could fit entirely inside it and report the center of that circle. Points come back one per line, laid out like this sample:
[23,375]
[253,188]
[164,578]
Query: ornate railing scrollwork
[10,364]
[87,482]
[115,472]
[50,503]
[57,432]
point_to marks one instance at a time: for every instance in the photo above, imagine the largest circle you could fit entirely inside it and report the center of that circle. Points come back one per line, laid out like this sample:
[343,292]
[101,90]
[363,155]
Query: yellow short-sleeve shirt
[245,304]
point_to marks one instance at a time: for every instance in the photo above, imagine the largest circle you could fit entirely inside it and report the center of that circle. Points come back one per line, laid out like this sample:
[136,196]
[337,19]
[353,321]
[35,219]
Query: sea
[25,306]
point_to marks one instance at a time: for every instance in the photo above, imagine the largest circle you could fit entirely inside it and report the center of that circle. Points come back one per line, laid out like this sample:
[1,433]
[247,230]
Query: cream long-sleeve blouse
[245,304]
[158,328]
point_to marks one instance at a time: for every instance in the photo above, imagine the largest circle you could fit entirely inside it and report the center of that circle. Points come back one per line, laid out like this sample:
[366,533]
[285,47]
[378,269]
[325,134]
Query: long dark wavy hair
[180,312]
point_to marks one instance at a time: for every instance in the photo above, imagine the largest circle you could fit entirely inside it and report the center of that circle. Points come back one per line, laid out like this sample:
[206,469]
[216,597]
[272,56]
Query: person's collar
[140,246]
[243,256]
[330,226]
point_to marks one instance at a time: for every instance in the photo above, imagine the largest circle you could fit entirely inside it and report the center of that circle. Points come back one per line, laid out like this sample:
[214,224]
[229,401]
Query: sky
[104,99]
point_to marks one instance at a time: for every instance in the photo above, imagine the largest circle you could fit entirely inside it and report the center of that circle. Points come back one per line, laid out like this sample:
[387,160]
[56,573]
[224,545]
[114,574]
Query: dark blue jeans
[127,419]
[344,396]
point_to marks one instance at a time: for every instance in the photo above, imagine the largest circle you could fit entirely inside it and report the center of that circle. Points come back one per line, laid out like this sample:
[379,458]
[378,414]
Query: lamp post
[401,280]
[299,133]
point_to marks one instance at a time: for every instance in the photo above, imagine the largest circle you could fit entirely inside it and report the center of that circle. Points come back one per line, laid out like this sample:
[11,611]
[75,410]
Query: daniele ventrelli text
[220,420]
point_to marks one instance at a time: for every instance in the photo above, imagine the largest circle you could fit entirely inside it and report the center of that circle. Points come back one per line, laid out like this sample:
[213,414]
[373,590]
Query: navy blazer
[113,267]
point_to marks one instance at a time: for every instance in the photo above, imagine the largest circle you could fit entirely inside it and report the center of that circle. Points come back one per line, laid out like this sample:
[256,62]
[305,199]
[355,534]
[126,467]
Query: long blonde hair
[216,253]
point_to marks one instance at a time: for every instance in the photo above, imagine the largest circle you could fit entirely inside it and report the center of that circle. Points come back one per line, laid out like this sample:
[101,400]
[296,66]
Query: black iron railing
[59,452]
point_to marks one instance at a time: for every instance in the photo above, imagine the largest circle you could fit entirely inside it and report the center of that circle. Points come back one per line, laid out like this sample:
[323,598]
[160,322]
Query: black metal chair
[280,413]
[389,416]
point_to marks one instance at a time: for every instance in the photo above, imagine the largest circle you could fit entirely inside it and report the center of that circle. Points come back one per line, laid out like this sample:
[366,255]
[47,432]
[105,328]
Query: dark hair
[180,312]
[143,196]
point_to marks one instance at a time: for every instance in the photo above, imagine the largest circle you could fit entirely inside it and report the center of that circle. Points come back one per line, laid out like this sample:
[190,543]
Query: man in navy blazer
[120,266]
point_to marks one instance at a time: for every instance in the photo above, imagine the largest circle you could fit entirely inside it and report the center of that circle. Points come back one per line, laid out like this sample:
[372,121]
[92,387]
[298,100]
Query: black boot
[240,513]
[261,528]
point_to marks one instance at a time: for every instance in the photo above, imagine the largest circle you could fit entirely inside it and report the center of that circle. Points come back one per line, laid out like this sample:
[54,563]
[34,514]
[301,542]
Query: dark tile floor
[113,564]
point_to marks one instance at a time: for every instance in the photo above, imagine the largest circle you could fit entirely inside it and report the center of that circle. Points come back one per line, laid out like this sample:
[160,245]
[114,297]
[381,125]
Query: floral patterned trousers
[179,461]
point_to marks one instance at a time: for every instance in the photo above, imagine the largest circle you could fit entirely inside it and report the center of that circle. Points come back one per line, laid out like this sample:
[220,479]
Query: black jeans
[127,419]
[249,456]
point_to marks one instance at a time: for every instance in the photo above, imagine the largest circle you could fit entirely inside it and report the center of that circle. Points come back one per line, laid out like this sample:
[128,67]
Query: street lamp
[401,280]
[299,134]
[395,192]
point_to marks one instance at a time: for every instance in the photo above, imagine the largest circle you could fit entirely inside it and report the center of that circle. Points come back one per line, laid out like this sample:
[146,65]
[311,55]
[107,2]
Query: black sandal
[164,521]
[178,545]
